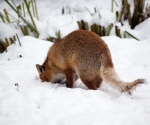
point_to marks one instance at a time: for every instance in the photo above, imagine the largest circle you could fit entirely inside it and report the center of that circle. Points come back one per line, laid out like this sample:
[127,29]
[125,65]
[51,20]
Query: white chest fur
[58,78]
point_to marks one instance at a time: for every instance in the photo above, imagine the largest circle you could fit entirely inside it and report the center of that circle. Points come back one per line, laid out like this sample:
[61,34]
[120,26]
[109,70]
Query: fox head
[48,75]
[44,76]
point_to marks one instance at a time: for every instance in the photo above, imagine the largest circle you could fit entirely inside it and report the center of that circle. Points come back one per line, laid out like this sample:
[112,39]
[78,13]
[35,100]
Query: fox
[83,54]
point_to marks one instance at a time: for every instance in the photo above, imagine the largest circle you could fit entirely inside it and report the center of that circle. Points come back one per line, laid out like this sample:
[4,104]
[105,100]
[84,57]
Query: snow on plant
[27,21]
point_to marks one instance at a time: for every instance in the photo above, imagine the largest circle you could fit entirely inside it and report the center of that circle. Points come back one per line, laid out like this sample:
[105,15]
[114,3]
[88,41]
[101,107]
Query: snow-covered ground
[25,100]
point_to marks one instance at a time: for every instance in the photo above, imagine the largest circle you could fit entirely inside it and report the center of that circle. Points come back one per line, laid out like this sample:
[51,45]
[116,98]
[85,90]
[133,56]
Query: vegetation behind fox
[83,54]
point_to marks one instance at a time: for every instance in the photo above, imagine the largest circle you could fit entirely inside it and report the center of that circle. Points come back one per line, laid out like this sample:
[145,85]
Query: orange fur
[85,55]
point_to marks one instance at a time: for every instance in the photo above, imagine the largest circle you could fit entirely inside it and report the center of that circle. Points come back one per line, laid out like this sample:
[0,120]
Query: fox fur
[83,54]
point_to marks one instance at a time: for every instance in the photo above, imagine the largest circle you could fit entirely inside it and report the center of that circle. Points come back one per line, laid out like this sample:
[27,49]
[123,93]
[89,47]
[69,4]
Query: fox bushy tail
[110,76]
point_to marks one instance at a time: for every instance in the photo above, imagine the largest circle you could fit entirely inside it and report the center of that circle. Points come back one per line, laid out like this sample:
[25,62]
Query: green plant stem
[87,26]
[79,25]
[93,28]
[33,8]
[104,31]
[2,17]
[99,13]
[131,35]
[12,41]
[26,30]
[112,5]
[23,10]
[122,11]
[63,10]
[14,38]
[36,10]
[88,11]
[3,46]
[129,14]
[14,3]
[100,30]
[58,35]
[83,24]
[7,17]
[29,25]
[117,15]
[6,41]
[116,30]
[19,10]
[109,29]
[115,3]
[119,34]
[18,39]
[23,31]
[97,29]
[31,16]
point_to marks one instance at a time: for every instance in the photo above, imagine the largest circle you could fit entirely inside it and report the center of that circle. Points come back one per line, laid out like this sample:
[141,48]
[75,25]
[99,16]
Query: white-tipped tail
[110,76]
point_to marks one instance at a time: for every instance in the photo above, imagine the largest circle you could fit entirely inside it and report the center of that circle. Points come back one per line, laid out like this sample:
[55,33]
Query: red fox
[83,54]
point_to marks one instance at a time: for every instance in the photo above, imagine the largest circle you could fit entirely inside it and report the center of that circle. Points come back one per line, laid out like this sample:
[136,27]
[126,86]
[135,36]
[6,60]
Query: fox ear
[39,68]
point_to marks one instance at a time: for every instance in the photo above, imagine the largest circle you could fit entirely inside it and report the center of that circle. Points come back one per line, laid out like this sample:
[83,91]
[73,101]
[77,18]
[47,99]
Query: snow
[107,17]
[25,100]
[8,27]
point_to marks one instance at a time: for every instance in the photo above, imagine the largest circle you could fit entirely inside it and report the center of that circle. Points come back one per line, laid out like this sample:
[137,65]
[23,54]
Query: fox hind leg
[98,81]
[89,82]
